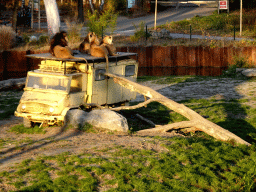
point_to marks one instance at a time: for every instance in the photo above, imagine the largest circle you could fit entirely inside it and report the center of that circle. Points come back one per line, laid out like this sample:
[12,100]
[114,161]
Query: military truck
[60,85]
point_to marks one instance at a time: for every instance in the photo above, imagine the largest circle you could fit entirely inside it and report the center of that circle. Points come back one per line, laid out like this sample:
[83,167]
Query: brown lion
[59,46]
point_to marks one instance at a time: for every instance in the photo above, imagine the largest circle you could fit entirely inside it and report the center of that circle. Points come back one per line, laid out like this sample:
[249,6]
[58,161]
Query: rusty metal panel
[205,71]
[216,71]
[121,49]
[172,51]
[254,56]
[207,59]
[158,56]
[142,56]
[133,50]
[247,52]
[225,57]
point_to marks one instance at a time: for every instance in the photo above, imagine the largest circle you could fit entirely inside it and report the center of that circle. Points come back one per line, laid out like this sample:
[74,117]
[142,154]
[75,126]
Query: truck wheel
[27,123]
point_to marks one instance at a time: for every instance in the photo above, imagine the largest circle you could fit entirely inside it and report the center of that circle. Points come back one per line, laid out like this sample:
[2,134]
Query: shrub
[43,39]
[139,32]
[74,29]
[7,37]
[25,38]
[105,21]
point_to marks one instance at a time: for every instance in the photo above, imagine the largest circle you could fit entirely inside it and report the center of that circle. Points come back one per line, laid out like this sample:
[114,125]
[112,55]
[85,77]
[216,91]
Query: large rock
[75,118]
[107,119]
[249,72]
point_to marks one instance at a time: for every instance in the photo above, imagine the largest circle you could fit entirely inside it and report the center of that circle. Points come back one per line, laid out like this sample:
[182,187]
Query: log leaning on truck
[196,122]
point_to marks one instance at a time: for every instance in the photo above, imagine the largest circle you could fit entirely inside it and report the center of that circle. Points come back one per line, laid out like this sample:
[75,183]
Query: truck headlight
[23,107]
[51,109]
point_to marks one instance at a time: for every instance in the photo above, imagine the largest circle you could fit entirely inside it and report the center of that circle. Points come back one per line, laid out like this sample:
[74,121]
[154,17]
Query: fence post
[234,32]
[190,31]
[146,32]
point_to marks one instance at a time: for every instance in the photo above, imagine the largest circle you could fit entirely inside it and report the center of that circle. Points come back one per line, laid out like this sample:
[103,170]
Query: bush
[106,20]
[139,32]
[43,39]
[74,29]
[7,37]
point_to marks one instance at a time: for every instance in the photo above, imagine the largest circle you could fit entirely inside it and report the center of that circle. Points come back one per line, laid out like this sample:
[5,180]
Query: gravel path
[219,88]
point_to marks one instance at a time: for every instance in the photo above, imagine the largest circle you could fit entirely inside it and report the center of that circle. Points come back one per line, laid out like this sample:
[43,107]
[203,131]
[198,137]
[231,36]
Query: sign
[223,5]
[131,3]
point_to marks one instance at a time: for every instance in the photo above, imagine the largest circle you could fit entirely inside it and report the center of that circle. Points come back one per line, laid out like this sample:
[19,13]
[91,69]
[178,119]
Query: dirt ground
[17,147]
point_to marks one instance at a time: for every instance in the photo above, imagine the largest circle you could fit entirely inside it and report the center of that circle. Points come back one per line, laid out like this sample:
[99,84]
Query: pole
[190,32]
[228,5]
[218,6]
[32,14]
[39,17]
[146,32]
[155,13]
[241,16]
[234,32]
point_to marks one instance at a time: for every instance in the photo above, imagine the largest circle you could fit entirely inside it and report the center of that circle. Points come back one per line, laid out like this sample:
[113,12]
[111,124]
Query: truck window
[76,84]
[46,82]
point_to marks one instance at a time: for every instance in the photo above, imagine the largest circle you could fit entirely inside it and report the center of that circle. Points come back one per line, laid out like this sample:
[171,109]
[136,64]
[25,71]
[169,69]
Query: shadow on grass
[25,148]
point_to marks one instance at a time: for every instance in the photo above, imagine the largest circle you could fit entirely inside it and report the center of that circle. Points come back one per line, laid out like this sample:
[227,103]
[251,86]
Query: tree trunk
[196,122]
[91,5]
[53,17]
[15,13]
[101,5]
[80,11]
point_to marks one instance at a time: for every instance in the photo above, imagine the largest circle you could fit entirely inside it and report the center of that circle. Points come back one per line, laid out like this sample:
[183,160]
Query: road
[125,25]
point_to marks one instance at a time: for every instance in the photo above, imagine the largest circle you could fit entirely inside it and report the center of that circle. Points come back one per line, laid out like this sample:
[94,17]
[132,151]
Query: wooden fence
[153,60]
[181,60]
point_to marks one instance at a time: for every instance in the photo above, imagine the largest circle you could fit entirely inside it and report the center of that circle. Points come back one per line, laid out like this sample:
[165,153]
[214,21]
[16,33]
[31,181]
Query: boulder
[75,118]
[107,119]
[249,72]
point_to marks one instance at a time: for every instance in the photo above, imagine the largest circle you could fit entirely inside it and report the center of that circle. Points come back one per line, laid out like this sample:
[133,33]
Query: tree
[53,17]
[15,13]
[196,122]
[80,11]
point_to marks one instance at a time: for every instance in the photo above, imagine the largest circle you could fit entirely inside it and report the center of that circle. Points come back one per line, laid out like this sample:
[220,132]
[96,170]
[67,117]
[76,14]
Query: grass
[20,129]
[190,164]
[215,25]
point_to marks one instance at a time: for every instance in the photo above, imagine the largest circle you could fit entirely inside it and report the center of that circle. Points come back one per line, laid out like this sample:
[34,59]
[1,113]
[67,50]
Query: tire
[27,123]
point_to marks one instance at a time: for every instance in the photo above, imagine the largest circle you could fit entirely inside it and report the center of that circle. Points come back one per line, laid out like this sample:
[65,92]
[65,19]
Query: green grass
[20,129]
[196,162]
[216,25]
[190,164]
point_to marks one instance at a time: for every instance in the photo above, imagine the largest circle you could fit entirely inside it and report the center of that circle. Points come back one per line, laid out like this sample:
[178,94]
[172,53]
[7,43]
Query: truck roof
[78,55]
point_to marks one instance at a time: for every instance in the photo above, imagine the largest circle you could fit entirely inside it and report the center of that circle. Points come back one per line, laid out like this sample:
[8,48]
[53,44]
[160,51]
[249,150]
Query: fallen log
[196,122]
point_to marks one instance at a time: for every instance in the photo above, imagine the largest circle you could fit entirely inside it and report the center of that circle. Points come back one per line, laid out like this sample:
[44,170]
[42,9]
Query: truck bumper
[40,118]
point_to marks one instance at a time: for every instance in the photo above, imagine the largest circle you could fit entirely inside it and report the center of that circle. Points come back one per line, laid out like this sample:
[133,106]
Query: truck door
[76,94]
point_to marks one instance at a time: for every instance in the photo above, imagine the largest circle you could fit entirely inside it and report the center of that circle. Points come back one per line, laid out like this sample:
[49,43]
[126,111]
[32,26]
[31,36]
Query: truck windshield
[48,82]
